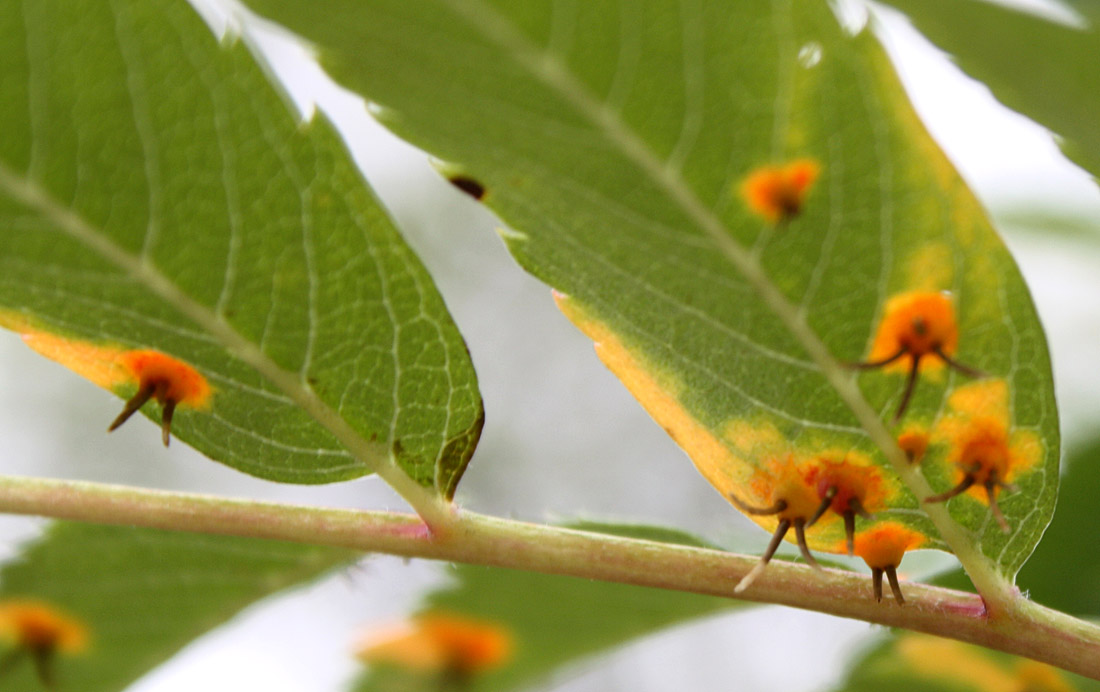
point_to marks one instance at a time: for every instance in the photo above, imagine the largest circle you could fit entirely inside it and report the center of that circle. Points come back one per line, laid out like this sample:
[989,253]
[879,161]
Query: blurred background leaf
[1043,69]
[555,622]
[157,192]
[910,662]
[144,594]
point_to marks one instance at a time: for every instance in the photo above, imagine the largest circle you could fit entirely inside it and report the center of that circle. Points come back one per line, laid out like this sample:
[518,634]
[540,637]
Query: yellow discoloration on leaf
[97,363]
[711,456]
[1033,676]
[950,660]
[981,439]
[930,268]
[112,367]
[751,461]
[984,398]
[755,439]
[970,666]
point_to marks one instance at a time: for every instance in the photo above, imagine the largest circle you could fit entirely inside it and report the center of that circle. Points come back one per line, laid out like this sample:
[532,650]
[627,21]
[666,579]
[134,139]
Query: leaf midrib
[550,70]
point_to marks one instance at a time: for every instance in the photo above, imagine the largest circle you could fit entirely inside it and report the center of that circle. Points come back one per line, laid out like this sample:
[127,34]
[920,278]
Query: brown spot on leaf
[468,185]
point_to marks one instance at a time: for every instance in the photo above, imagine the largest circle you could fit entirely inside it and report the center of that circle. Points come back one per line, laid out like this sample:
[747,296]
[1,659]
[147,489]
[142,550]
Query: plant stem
[1028,629]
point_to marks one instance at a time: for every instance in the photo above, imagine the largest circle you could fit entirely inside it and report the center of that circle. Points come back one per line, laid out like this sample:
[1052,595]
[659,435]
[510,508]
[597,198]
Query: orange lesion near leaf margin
[138,374]
[785,486]
[971,667]
[39,630]
[986,452]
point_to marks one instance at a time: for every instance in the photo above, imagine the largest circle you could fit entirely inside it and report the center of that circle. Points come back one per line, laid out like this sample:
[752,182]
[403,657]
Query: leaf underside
[156,192]
[612,138]
[553,621]
[143,594]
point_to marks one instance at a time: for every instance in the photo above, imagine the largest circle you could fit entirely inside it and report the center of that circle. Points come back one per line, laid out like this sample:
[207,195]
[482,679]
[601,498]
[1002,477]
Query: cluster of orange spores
[917,330]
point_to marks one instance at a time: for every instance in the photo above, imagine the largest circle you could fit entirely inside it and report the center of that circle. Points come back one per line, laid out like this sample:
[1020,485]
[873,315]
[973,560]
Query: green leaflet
[553,621]
[157,192]
[612,137]
[143,594]
[1047,71]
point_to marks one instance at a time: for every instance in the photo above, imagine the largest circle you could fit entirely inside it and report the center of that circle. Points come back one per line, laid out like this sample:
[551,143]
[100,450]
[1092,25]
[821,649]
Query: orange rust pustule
[918,332]
[882,547]
[446,644]
[782,484]
[983,458]
[914,442]
[778,193]
[170,381]
[848,489]
[40,630]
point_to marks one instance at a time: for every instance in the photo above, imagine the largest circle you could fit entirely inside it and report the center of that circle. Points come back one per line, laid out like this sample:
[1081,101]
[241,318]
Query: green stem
[1025,628]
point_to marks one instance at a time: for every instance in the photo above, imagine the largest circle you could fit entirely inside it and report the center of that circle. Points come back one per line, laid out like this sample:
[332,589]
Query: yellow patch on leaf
[97,363]
[1032,676]
[930,268]
[113,367]
[978,430]
[711,455]
[969,666]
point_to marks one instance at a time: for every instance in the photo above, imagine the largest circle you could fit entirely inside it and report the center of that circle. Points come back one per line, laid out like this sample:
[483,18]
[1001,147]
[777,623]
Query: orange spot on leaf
[777,193]
[172,379]
[855,482]
[884,544]
[439,643]
[987,453]
[168,380]
[38,626]
[914,442]
[916,324]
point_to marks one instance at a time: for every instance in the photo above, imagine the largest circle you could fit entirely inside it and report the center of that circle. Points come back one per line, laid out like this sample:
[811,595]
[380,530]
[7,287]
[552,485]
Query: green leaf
[1046,71]
[143,594]
[912,662]
[613,139]
[554,621]
[157,193]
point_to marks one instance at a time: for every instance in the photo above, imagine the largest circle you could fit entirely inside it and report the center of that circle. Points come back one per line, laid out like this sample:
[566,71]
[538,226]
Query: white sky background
[562,434]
